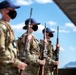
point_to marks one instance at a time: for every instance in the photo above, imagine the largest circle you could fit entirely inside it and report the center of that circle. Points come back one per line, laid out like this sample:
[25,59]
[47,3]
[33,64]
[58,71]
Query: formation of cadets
[12,50]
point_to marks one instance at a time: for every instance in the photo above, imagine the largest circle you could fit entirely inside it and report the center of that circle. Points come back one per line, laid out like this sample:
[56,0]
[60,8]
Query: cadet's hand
[42,62]
[45,41]
[24,37]
[56,63]
[57,45]
[21,65]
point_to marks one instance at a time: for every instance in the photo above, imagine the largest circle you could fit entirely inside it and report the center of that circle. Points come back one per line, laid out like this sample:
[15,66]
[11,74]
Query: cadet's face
[11,13]
[48,37]
[5,12]
[31,30]
[10,9]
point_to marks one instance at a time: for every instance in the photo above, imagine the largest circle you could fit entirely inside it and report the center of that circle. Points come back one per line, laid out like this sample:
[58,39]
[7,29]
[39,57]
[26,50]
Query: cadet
[48,68]
[8,50]
[32,58]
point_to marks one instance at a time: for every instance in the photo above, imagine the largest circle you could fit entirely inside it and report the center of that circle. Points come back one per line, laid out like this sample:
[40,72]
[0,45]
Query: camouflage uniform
[48,68]
[7,40]
[32,56]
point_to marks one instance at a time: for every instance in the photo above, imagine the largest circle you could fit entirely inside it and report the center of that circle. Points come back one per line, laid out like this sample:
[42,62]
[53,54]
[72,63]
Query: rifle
[41,72]
[26,44]
[57,53]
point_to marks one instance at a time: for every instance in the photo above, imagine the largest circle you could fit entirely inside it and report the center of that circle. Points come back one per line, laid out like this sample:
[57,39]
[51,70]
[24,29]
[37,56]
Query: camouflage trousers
[7,74]
[32,70]
[8,70]
[48,70]
[49,73]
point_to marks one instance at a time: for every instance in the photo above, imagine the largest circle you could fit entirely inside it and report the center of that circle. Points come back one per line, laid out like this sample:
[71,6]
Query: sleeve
[50,60]
[32,57]
[16,61]
[19,44]
[50,55]
[2,36]
[5,55]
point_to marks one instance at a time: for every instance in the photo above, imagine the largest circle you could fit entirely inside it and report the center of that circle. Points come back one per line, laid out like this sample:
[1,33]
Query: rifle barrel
[26,43]
[57,52]
[43,56]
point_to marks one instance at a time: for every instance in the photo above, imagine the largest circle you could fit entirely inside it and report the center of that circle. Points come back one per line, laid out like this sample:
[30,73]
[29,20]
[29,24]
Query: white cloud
[23,2]
[29,2]
[43,1]
[61,49]
[40,28]
[18,27]
[64,28]
[64,31]
[67,28]
[71,25]
[73,48]
[52,23]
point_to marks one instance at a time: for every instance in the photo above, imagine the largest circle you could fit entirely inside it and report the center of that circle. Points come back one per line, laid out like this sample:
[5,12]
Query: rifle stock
[41,72]
[26,44]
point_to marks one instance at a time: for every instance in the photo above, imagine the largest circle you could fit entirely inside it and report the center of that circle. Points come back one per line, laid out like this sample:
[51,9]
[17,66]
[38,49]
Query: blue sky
[46,11]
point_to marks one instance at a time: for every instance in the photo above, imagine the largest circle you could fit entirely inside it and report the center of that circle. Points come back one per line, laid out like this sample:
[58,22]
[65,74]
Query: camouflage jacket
[32,50]
[7,41]
[49,52]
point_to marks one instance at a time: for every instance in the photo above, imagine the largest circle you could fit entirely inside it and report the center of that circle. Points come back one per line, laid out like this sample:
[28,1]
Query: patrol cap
[33,22]
[48,30]
[8,3]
